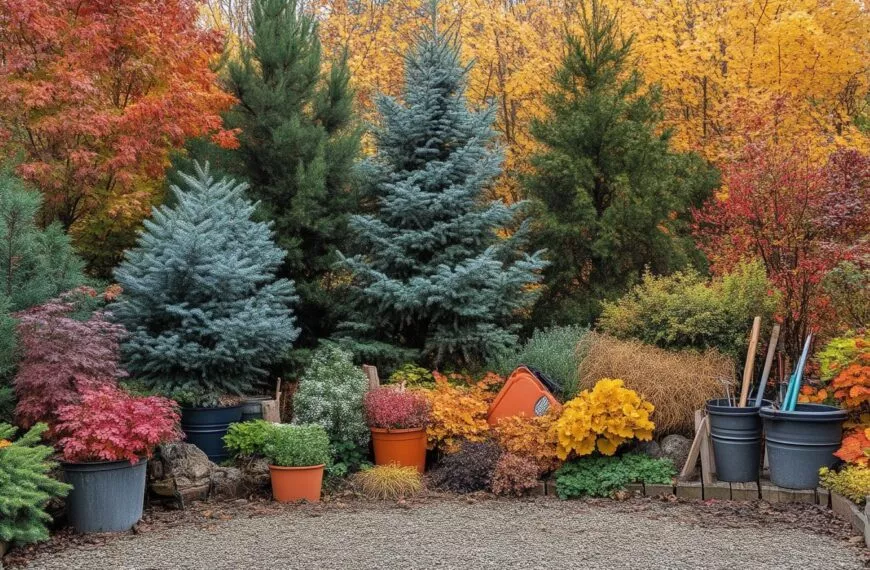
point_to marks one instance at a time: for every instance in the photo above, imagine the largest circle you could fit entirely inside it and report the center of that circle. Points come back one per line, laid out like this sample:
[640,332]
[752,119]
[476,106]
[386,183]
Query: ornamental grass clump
[602,418]
[391,408]
[108,424]
[297,446]
[514,475]
[468,470]
[26,485]
[389,482]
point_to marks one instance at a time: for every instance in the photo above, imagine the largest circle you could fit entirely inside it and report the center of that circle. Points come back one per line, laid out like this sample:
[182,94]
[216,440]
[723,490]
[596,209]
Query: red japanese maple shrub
[62,357]
[390,408]
[799,217]
[110,425]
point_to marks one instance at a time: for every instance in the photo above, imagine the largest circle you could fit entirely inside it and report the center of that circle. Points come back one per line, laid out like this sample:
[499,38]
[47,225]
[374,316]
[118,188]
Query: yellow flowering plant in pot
[602,418]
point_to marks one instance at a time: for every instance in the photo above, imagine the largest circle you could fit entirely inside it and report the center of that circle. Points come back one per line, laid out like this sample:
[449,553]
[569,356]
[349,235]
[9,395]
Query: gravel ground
[540,533]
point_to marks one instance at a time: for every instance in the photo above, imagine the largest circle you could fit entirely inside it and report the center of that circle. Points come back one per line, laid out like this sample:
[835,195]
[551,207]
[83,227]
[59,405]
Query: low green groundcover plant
[297,445]
[25,485]
[599,476]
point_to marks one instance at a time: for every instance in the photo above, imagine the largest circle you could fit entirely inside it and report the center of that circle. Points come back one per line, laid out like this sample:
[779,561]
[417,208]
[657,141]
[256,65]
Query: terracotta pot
[404,447]
[296,483]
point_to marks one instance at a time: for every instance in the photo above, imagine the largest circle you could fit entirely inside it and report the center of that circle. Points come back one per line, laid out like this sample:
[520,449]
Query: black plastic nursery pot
[801,442]
[206,428]
[736,433]
[252,408]
[107,496]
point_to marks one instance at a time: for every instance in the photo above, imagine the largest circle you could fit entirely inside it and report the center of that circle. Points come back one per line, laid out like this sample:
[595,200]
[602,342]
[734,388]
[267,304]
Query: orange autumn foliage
[459,409]
[94,96]
[852,385]
[530,437]
[856,446]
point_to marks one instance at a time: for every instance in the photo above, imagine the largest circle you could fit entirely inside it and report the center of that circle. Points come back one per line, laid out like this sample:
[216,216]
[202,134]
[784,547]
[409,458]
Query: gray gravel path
[488,534]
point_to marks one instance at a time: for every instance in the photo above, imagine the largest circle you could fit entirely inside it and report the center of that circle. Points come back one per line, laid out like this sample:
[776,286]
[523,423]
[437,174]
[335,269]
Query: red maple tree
[798,217]
[94,94]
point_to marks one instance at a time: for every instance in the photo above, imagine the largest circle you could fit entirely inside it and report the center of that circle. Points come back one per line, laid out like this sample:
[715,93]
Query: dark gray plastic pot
[107,496]
[206,428]
[252,408]
[736,434]
[801,442]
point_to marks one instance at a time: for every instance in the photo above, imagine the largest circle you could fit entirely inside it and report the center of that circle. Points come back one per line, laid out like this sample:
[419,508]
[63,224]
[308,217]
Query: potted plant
[205,313]
[105,440]
[397,419]
[297,455]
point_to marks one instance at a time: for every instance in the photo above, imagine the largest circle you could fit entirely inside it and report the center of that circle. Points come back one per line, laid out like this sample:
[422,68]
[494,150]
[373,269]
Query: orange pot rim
[397,430]
[279,468]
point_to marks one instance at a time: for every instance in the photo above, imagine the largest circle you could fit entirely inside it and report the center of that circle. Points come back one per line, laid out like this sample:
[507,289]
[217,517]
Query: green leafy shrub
[246,439]
[514,475]
[8,359]
[389,482]
[297,446]
[330,394]
[600,476]
[553,351]
[848,287]
[839,353]
[685,311]
[25,485]
[412,376]
[468,470]
[852,481]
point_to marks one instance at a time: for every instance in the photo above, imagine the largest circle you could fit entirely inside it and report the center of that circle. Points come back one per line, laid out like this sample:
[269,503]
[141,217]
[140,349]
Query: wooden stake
[768,364]
[371,373]
[708,464]
[695,450]
[750,361]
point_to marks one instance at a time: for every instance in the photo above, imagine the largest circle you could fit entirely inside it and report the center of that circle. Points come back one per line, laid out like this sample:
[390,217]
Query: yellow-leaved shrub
[459,410]
[602,418]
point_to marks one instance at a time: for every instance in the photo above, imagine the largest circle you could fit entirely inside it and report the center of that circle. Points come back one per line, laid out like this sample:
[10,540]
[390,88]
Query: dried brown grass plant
[676,382]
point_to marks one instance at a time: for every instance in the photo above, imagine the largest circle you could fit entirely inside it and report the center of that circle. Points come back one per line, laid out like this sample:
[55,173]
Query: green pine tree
[200,301]
[26,485]
[610,197]
[436,277]
[298,144]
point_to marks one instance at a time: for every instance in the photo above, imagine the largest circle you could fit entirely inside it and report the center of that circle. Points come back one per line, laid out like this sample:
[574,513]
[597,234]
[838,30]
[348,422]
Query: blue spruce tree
[201,303]
[439,273]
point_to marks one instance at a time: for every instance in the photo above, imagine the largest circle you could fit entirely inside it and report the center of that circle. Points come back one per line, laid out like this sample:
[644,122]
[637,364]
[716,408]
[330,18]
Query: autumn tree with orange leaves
[94,95]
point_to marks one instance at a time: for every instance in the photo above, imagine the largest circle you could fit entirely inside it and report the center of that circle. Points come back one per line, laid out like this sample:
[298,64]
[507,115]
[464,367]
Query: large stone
[181,470]
[256,474]
[228,483]
[650,448]
[676,448]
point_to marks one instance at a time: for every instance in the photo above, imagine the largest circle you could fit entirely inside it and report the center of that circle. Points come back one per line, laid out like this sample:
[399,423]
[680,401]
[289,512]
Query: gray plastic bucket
[801,442]
[252,408]
[206,428]
[736,434]
[107,496]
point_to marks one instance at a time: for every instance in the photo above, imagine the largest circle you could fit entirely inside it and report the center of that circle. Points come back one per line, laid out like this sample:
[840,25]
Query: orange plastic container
[403,447]
[522,394]
[296,483]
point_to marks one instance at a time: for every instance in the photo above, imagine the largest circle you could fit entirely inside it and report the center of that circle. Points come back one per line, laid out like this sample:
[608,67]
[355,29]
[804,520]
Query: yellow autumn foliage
[603,418]
[459,411]
[530,437]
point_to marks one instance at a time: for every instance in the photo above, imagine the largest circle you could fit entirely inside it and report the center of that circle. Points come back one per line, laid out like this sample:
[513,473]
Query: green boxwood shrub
[685,311]
[25,485]
[600,476]
[297,446]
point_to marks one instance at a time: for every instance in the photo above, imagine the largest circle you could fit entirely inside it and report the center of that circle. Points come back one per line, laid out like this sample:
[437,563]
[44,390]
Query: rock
[181,470]
[650,448]
[676,448]
[228,483]
[256,474]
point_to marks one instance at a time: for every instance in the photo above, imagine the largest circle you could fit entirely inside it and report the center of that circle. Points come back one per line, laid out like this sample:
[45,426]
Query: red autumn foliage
[61,358]
[799,218]
[111,425]
[390,408]
[96,94]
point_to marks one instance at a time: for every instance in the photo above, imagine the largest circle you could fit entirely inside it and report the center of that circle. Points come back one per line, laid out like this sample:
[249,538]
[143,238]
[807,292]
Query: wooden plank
[768,364]
[371,373]
[708,466]
[272,411]
[750,361]
[695,450]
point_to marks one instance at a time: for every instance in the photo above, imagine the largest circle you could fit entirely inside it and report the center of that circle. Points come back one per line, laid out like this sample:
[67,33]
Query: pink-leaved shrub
[107,424]
[391,408]
[61,357]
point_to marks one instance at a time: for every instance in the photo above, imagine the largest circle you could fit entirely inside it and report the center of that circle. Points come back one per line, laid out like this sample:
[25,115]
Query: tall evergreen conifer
[610,196]
[298,144]
[437,276]
[200,300]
